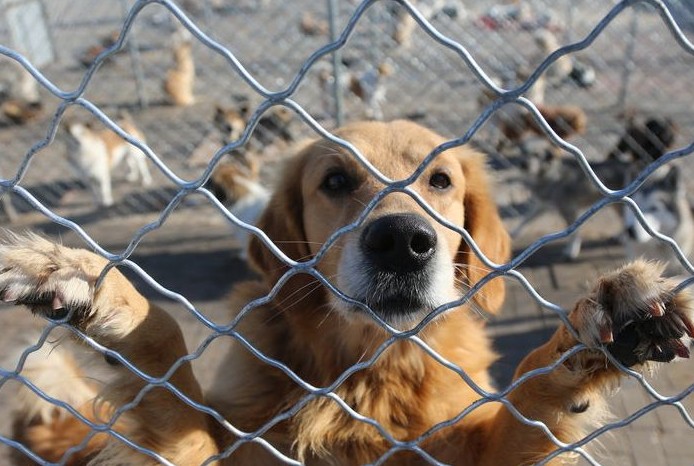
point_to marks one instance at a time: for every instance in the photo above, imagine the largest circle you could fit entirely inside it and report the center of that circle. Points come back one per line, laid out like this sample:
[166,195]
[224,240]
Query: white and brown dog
[95,153]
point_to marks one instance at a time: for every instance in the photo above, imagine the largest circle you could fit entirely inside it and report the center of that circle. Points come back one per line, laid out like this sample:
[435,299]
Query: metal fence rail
[290,81]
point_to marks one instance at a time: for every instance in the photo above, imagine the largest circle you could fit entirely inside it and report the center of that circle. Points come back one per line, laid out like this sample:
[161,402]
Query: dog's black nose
[399,243]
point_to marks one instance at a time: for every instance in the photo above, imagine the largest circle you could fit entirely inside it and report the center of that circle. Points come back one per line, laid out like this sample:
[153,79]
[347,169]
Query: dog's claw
[606,335]
[657,309]
[57,303]
[680,349]
[688,325]
[7,296]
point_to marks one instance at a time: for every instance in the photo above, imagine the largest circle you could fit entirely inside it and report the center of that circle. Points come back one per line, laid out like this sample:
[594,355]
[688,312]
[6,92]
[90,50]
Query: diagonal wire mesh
[284,95]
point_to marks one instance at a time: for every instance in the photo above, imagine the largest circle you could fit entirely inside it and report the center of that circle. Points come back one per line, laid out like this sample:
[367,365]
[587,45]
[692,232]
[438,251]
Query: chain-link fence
[101,63]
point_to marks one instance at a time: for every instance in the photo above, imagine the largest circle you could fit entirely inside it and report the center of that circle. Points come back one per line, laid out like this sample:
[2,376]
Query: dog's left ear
[484,224]
[282,221]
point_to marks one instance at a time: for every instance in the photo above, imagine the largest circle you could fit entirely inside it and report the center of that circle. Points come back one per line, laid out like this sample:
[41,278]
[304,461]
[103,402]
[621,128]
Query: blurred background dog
[96,153]
[236,184]
[561,185]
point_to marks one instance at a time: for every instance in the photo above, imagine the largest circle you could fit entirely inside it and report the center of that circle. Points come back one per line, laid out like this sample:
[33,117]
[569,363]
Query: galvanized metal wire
[283,96]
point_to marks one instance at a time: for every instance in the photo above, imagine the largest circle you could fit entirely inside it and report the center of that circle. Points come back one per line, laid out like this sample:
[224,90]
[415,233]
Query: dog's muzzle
[398,244]
[397,265]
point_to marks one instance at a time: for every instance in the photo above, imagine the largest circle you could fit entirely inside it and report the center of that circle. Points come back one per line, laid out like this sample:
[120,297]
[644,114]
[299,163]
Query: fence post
[134,54]
[337,64]
[628,59]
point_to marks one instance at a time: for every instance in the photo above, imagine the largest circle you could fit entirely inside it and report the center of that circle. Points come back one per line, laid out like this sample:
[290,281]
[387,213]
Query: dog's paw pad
[638,315]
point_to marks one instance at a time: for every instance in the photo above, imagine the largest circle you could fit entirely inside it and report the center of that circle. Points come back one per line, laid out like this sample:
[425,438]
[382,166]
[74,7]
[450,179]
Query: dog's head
[231,122]
[231,179]
[399,261]
[78,129]
[274,123]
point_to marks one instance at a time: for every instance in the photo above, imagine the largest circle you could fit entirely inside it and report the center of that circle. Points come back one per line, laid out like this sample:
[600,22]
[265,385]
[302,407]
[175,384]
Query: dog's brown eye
[440,180]
[336,183]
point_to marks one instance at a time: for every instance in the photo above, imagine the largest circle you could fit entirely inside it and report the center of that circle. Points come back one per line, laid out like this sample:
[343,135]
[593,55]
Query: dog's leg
[99,180]
[128,153]
[133,172]
[634,314]
[573,248]
[137,167]
[143,170]
[60,283]
[105,189]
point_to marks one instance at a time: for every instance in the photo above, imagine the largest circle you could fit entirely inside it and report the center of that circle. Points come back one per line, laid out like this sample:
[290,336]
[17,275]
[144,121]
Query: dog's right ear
[282,221]
[483,222]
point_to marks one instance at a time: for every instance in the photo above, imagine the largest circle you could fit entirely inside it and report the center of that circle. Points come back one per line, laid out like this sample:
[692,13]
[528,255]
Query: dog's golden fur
[319,337]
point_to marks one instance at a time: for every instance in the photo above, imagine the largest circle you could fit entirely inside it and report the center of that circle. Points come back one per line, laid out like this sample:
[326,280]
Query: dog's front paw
[53,280]
[637,314]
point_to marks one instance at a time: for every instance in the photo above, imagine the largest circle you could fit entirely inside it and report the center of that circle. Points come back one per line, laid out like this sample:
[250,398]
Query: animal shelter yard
[190,75]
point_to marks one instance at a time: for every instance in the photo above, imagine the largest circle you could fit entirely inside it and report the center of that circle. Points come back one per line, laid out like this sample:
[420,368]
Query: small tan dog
[399,262]
[96,153]
[180,79]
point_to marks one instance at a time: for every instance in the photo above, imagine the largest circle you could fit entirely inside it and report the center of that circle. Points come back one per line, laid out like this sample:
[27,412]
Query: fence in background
[436,78]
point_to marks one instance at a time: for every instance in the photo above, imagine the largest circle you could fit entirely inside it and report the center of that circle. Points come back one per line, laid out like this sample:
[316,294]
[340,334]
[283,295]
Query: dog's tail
[48,429]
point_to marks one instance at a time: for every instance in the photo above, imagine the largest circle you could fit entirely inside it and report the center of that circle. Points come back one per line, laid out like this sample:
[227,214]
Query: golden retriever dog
[393,267]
